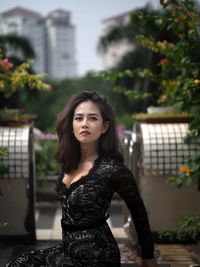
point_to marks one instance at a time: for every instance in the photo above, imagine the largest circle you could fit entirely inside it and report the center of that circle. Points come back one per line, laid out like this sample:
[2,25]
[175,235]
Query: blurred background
[144,57]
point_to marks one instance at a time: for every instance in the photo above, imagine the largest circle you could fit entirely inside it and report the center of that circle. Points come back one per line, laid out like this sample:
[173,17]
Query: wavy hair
[68,152]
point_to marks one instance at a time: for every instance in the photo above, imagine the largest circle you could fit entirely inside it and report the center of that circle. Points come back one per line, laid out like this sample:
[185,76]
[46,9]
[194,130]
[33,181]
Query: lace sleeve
[126,187]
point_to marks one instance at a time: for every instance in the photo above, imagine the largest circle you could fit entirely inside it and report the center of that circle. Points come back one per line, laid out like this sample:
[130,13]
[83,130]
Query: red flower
[6,63]
[21,110]
[164,61]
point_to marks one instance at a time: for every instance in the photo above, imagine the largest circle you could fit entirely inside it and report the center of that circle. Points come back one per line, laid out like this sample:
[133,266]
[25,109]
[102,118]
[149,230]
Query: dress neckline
[82,178]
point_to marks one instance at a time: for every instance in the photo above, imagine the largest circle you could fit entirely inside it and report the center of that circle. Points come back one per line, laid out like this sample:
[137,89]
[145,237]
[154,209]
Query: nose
[85,123]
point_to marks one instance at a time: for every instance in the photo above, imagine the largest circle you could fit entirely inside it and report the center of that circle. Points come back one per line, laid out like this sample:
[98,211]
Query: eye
[78,118]
[93,118]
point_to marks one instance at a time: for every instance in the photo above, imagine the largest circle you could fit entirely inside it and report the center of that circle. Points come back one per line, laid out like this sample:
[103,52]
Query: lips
[85,133]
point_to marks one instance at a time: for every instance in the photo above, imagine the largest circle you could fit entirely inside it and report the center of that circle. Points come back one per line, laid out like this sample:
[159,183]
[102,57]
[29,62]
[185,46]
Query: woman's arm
[126,187]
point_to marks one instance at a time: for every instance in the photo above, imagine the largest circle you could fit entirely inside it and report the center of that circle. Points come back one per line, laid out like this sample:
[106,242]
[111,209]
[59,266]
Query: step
[137,265]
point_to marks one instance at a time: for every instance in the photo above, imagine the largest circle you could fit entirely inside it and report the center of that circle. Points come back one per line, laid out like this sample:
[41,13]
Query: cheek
[74,125]
[75,129]
[99,129]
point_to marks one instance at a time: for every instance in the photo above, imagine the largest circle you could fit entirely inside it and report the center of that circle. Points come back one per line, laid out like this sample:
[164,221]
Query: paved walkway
[178,255]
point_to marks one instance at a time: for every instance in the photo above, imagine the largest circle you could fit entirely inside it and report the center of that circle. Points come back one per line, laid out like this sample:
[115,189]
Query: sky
[87,16]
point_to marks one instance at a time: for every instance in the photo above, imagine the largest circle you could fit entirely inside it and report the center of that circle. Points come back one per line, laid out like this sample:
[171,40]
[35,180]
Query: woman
[92,170]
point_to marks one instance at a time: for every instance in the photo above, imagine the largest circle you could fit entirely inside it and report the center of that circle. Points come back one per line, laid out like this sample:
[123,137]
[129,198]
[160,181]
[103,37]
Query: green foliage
[14,79]
[179,67]
[3,224]
[196,260]
[135,74]
[189,173]
[177,76]
[16,43]
[188,231]
[3,154]
[48,104]
[125,120]
[115,75]
[45,151]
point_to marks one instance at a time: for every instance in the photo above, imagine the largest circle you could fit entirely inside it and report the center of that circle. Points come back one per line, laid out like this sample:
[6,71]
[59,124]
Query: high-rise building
[60,44]
[52,38]
[115,51]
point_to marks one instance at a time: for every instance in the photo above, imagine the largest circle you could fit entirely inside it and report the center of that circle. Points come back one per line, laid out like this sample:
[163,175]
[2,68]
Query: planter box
[16,123]
[152,109]
[167,120]
[15,117]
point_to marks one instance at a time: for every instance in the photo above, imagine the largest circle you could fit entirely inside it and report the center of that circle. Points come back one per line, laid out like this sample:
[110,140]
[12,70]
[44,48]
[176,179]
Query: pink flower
[6,63]
[164,61]
[21,109]
[120,130]
[46,136]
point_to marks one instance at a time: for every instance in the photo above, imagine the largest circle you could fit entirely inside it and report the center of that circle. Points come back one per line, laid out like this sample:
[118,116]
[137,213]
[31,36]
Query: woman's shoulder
[114,163]
[58,180]
[120,174]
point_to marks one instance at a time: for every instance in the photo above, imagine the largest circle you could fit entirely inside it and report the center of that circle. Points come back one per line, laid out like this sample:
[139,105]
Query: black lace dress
[87,239]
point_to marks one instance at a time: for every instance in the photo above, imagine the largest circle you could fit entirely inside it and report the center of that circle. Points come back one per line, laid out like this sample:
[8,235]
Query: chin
[88,141]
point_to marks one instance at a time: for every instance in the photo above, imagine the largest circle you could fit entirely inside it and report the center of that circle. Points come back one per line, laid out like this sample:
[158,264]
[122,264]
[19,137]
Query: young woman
[92,170]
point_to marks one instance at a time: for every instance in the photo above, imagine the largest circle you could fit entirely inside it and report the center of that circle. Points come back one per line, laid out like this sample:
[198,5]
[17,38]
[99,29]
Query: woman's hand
[149,263]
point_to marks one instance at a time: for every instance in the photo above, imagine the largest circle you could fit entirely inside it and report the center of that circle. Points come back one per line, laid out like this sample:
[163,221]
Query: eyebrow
[90,114]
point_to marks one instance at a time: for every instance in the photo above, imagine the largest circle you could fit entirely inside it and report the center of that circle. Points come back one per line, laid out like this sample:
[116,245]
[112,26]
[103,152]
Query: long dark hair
[68,150]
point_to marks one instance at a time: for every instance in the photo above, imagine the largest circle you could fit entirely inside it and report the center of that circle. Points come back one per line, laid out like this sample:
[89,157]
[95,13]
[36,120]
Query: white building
[113,54]
[51,37]
[60,45]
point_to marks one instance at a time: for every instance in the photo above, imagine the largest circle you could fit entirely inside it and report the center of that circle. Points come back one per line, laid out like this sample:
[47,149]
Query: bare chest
[82,170]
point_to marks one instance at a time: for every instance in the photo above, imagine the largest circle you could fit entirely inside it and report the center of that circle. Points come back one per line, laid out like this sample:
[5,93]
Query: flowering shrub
[164,61]
[187,173]
[12,79]
[6,64]
[179,75]
[179,78]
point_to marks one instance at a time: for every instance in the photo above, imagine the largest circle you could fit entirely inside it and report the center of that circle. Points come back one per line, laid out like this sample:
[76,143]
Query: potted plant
[15,117]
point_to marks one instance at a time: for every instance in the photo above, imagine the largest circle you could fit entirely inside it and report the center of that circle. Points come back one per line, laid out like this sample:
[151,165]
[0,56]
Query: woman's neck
[89,152]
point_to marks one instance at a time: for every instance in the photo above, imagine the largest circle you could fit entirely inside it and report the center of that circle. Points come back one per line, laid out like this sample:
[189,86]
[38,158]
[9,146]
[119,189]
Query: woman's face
[88,123]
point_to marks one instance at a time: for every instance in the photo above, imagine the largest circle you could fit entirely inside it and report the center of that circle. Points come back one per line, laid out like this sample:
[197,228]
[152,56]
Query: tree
[142,21]
[16,49]
[178,75]
[10,43]
[48,105]
[178,78]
